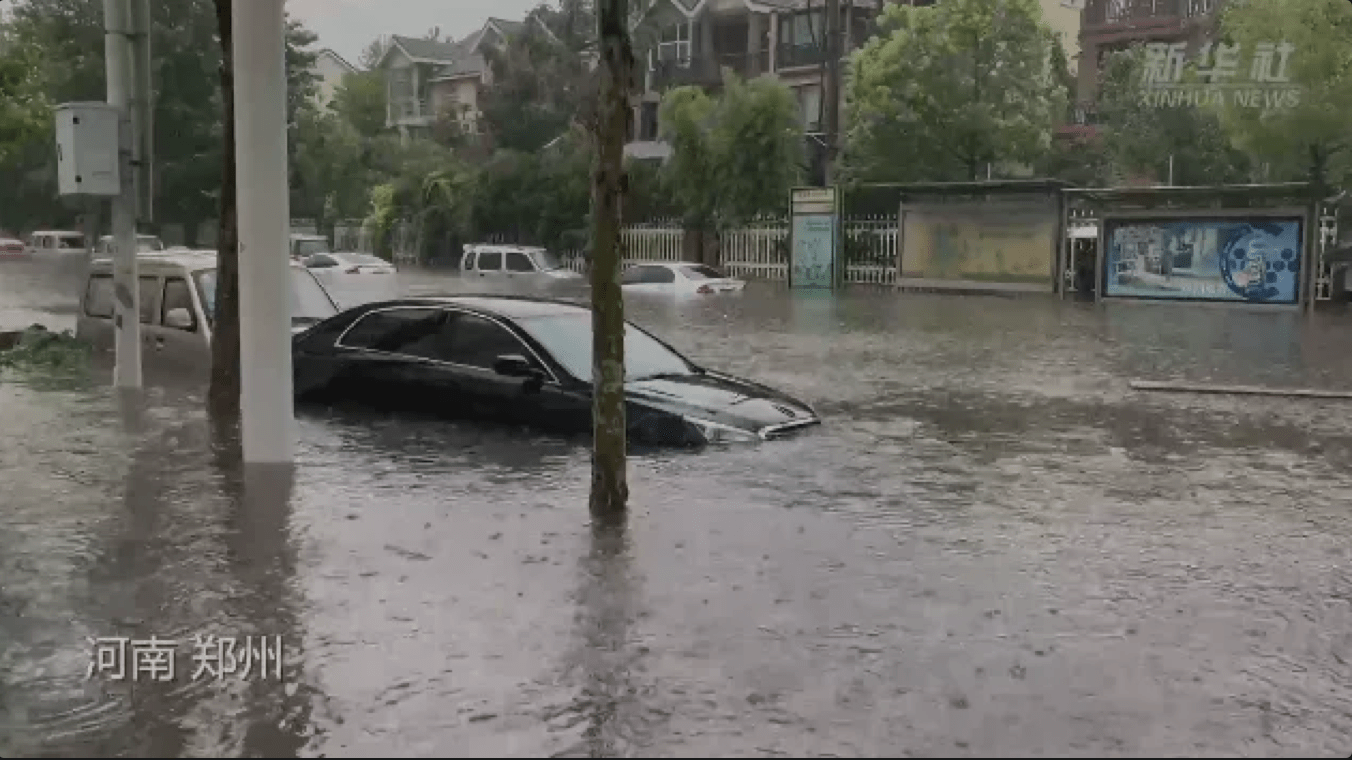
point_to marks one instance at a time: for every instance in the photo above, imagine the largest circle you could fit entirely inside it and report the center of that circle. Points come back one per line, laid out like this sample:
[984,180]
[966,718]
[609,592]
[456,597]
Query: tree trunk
[609,484]
[831,92]
[223,396]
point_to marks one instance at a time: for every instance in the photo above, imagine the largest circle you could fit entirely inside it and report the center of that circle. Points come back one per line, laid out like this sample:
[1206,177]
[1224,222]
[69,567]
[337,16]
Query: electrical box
[86,149]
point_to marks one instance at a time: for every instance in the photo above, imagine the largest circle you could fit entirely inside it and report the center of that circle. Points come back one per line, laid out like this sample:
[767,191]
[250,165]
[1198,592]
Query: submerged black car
[526,360]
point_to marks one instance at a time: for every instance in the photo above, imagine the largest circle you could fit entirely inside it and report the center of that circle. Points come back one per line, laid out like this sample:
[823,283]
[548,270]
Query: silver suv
[515,266]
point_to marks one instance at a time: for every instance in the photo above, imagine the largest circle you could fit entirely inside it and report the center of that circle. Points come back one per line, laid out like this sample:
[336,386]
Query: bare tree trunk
[223,396]
[609,485]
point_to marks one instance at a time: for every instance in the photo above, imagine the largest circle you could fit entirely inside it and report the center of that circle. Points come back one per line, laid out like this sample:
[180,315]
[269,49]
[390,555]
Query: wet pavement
[992,547]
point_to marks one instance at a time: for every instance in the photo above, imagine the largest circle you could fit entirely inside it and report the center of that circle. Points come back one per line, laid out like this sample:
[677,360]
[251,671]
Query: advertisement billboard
[1245,260]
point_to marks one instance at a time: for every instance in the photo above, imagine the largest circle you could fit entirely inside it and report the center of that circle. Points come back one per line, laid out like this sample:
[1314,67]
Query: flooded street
[992,547]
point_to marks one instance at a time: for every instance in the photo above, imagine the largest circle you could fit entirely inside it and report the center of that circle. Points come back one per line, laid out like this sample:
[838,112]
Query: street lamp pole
[267,417]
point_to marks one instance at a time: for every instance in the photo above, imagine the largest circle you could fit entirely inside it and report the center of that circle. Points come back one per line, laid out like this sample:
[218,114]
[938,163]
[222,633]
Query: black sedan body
[526,361]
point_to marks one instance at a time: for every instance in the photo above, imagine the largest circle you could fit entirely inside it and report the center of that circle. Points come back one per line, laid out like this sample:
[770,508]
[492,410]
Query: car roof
[496,247]
[307,236]
[173,259]
[56,232]
[514,307]
[139,235]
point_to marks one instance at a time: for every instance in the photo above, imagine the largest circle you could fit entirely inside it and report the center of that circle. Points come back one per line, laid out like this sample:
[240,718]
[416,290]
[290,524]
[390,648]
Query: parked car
[518,266]
[10,248]
[55,241]
[678,278]
[304,246]
[527,361]
[178,303]
[144,244]
[354,278]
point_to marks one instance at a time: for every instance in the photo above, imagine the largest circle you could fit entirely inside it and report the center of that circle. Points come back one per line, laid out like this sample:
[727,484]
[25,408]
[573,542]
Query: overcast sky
[348,26]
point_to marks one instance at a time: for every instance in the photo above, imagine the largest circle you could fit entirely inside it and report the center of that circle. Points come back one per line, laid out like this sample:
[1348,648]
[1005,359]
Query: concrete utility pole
[143,110]
[832,88]
[127,323]
[267,416]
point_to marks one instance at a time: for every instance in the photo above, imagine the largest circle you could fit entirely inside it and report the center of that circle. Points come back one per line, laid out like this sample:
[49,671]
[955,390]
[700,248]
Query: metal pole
[267,416]
[1171,170]
[126,320]
[832,89]
[143,109]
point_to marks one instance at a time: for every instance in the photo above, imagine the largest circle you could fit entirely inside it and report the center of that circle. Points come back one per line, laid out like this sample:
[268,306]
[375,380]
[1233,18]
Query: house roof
[341,61]
[419,50]
[467,58]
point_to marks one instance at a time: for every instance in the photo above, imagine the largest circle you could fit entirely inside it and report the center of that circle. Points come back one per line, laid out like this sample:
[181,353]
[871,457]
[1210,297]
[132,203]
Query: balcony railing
[707,70]
[410,109]
[790,55]
[1101,13]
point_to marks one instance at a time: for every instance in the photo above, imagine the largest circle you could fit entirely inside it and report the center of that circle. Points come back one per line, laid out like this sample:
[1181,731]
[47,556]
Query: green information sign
[814,238]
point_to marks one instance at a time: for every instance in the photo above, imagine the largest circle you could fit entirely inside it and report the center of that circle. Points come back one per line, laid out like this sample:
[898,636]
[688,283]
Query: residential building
[691,42]
[429,78]
[329,70]
[1107,26]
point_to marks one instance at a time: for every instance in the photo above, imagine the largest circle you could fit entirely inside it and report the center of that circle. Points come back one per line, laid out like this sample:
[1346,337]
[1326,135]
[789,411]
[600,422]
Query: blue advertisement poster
[1219,259]
[813,254]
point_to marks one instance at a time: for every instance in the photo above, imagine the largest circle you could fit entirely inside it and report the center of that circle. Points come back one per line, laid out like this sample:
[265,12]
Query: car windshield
[70,241]
[569,339]
[307,247]
[309,302]
[148,243]
[701,273]
[546,260]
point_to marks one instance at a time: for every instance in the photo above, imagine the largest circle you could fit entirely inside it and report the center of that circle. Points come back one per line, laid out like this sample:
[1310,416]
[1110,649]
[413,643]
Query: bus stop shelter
[1237,244]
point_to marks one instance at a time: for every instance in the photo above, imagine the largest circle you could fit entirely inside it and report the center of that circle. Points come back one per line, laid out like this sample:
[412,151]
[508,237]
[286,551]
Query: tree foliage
[62,43]
[360,100]
[540,87]
[1139,138]
[944,90]
[735,155]
[1310,140]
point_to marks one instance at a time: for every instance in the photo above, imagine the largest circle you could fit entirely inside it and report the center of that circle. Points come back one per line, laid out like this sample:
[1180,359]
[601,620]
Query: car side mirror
[179,319]
[514,365]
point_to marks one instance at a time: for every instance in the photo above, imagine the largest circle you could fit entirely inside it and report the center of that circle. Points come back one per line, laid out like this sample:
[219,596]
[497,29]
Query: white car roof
[500,248]
[56,232]
[177,260]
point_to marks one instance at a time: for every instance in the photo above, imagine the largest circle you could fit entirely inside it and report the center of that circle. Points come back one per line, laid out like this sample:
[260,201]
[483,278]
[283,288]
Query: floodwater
[992,547]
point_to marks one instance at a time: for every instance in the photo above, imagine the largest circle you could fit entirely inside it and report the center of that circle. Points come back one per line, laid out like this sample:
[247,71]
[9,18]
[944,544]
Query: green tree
[944,90]
[1139,138]
[1312,138]
[539,87]
[360,100]
[64,38]
[331,177]
[734,156]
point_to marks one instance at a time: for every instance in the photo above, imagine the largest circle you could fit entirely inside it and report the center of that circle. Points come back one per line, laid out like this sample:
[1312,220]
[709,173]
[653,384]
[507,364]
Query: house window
[672,45]
[647,124]
[801,29]
[401,92]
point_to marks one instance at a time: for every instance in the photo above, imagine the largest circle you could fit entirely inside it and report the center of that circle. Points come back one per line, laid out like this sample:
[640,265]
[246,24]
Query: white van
[515,265]
[178,301]
[47,242]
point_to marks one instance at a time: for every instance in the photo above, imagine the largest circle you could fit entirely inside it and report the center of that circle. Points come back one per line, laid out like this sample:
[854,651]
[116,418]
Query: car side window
[660,275]
[633,275]
[320,261]
[490,261]
[469,261]
[392,330]
[518,262]
[99,296]
[178,296]
[150,299]
[478,342]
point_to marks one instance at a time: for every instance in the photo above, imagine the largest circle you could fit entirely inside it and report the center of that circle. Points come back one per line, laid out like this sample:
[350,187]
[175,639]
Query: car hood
[720,398]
